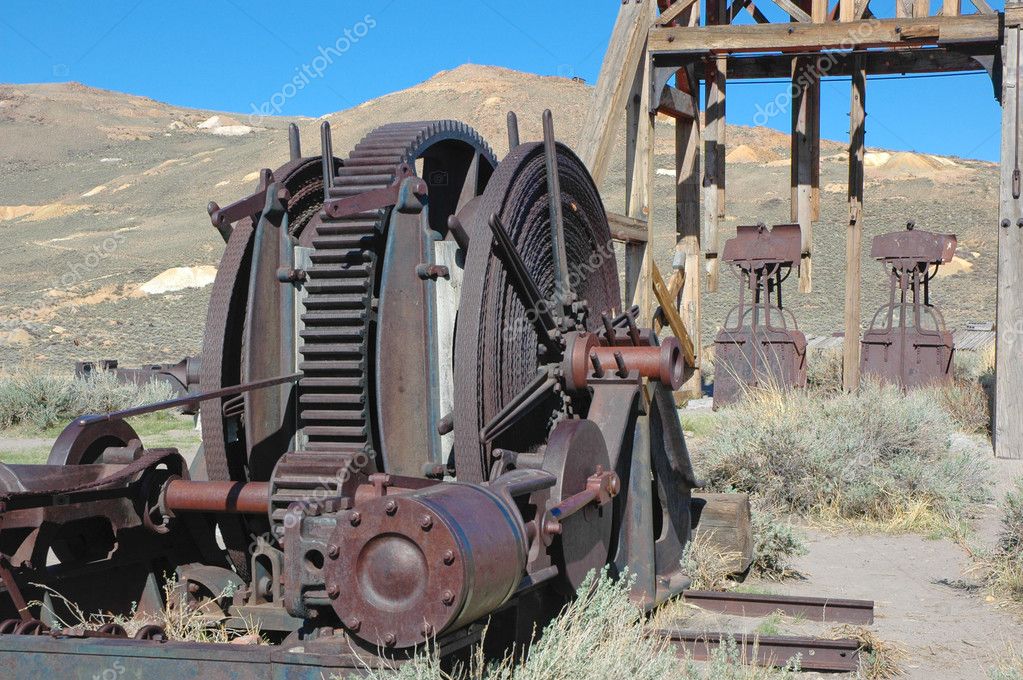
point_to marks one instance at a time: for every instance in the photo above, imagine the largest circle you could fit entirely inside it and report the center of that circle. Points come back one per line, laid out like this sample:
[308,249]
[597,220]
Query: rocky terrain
[103,192]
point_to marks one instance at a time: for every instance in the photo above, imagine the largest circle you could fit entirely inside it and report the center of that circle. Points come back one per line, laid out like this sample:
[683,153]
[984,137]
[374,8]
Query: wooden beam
[624,53]
[925,60]
[801,176]
[973,28]
[921,8]
[903,8]
[846,10]
[667,304]
[793,10]
[722,65]
[635,181]
[854,233]
[819,11]
[677,104]
[983,7]
[750,6]
[712,152]
[950,8]
[673,12]
[1008,430]
[641,202]
[627,229]
[687,234]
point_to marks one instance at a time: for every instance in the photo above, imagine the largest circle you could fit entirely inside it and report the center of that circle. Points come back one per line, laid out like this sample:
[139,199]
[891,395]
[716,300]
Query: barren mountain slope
[102,191]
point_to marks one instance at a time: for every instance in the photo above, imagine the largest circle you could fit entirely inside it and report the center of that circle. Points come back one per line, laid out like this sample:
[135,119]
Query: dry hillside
[104,191]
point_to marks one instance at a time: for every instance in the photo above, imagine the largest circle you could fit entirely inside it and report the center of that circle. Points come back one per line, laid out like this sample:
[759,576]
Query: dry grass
[966,403]
[878,458]
[879,659]
[179,621]
[36,400]
[710,567]
[599,636]
[1002,568]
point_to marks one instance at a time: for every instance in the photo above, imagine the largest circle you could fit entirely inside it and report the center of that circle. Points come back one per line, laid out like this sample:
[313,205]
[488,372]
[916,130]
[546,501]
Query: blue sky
[233,55]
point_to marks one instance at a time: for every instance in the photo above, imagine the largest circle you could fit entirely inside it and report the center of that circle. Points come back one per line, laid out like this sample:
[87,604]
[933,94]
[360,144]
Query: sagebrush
[601,635]
[878,455]
[39,400]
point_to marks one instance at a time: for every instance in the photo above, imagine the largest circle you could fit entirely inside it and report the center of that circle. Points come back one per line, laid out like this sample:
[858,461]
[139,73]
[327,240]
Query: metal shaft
[251,498]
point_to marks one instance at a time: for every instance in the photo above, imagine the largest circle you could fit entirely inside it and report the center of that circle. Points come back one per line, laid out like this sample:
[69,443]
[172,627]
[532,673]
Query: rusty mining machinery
[760,342]
[908,342]
[423,406]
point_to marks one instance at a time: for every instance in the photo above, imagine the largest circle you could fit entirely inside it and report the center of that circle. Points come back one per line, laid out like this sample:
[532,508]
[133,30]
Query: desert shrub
[39,400]
[600,635]
[824,369]
[1002,568]
[966,403]
[877,455]
[775,543]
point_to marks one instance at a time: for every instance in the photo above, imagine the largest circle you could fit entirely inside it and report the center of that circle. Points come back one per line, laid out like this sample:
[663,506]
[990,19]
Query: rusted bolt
[426,521]
[355,518]
[448,598]
[391,507]
[623,371]
[432,271]
[354,625]
[427,629]
[449,557]
[333,591]
[390,639]
[552,528]
[333,551]
[193,587]
[1006,223]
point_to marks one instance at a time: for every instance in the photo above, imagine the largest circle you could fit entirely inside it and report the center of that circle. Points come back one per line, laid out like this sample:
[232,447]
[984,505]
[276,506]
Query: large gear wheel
[497,346]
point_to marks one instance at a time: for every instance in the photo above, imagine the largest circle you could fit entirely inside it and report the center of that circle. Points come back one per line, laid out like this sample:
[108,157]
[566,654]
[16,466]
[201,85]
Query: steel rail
[825,609]
[809,653]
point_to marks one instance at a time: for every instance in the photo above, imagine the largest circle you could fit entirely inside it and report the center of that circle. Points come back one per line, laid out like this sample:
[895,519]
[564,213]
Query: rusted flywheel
[501,348]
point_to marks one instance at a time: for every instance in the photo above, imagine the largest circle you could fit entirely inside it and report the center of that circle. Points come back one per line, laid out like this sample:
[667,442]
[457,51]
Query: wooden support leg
[804,77]
[641,195]
[687,231]
[635,182]
[854,235]
[1008,431]
[714,122]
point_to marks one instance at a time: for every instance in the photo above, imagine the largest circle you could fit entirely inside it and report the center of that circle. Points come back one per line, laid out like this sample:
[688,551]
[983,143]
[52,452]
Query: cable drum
[496,344]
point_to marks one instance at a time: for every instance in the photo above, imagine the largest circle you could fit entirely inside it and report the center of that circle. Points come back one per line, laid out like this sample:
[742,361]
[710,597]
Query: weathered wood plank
[950,8]
[673,12]
[803,78]
[635,182]
[726,521]
[667,305]
[627,229]
[854,233]
[983,7]
[712,157]
[808,36]
[677,104]
[846,10]
[819,11]
[928,60]
[722,133]
[625,51]
[793,10]
[687,233]
[1008,434]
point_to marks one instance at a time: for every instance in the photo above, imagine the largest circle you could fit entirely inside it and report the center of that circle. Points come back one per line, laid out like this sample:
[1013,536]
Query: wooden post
[687,232]
[635,182]
[854,234]
[713,124]
[641,199]
[950,8]
[624,53]
[803,77]
[1008,430]
[846,10]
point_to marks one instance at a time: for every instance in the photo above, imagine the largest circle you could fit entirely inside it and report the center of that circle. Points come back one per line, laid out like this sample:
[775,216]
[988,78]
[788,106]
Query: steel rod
[829,610]
[294,142]
[252,498]
[188,399]
[554,196]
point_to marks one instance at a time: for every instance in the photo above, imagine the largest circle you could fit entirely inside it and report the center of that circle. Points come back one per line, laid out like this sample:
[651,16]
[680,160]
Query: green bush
[40,400]
[878,455]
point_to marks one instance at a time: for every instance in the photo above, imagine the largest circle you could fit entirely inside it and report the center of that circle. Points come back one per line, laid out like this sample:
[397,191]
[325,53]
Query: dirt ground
[927,600]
